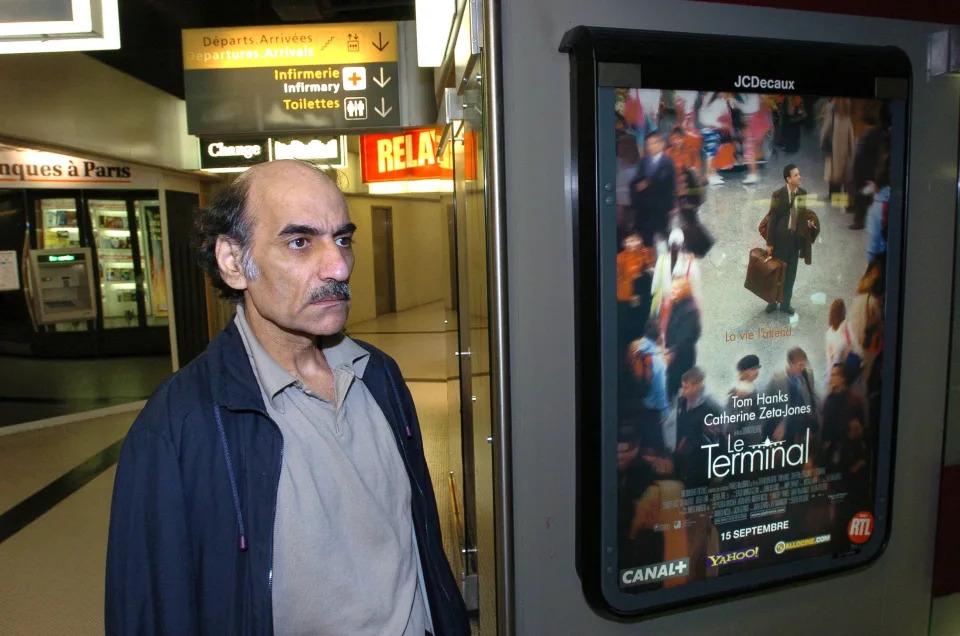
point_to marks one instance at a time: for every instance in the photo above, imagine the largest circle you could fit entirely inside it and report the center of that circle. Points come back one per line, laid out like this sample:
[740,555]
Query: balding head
[680,288]
[290,255]
[229,214]
[276,181]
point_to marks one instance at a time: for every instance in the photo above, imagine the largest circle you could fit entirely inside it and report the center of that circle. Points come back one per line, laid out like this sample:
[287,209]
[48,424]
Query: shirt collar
[271,376]
[341,352]
[697,401]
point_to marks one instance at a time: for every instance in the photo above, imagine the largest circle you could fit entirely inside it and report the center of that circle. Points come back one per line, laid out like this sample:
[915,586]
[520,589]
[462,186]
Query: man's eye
[298,243]
[344,241]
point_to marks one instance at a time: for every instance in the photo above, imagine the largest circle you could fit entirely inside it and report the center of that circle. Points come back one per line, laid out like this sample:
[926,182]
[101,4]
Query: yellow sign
[285,45]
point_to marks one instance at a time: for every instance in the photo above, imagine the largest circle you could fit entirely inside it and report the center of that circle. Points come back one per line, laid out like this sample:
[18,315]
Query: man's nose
[334,264]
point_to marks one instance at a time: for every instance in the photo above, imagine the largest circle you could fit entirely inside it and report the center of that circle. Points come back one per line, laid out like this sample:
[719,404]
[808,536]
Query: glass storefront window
[118,281]
[152,265]
[57,224]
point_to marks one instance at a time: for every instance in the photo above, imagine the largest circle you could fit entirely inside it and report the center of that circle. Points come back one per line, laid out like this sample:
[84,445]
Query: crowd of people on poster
[780,464]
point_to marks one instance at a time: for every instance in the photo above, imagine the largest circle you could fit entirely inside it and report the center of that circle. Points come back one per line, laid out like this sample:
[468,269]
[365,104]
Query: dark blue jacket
[191,526]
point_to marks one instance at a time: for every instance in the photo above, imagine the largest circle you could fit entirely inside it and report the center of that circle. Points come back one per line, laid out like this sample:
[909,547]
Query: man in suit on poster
[791,229]
[654,190]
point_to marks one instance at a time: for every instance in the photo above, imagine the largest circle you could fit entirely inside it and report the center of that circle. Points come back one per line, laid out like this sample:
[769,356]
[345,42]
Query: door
[189,291]
[385,286]
[114,243]
[150,239]
[478,574]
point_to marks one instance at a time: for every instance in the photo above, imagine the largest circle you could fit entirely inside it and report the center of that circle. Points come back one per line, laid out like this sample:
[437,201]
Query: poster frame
[604,58]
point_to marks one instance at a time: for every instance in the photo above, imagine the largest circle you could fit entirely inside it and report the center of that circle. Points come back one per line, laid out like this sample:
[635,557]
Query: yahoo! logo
[732,557]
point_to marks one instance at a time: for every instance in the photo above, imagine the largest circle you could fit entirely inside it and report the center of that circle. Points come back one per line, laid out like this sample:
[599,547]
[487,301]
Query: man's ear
[228,260]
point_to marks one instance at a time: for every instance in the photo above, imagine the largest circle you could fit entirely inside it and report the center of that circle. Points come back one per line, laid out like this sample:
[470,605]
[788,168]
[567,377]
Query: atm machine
[62,285]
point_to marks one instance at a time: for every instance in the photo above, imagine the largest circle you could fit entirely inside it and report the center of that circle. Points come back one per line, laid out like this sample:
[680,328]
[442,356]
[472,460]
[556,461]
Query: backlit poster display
[740,220]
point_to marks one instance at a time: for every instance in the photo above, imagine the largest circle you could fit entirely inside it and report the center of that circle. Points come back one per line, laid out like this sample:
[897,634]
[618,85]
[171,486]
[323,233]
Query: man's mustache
[334,290]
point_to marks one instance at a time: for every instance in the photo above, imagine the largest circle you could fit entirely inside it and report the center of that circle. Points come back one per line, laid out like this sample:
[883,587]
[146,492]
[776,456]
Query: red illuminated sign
[412,156]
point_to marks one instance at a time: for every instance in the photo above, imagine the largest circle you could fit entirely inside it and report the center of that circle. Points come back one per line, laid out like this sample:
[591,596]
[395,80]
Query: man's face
[794,179]
[632,242]
[690,390]
[302,246]
[836,378]
[679,289]
[798,367]
[627,149]
[626,453]
[855,429]
[654,145]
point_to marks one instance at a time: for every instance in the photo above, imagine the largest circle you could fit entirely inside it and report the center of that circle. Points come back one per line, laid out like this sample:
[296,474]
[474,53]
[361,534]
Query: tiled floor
[32,459]
[38,388]
[58,559]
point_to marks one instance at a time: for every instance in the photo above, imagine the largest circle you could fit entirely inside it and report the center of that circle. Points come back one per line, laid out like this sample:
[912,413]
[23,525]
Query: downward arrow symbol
[381,44]
[382,82]
[383,111]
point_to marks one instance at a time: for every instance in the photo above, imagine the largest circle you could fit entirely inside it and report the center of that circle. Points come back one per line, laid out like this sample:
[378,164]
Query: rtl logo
[860,527]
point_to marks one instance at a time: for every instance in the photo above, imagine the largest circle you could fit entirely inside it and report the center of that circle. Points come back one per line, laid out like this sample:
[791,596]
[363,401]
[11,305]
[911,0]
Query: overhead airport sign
[228,154]
[233,153]
[291,78]
[326,151]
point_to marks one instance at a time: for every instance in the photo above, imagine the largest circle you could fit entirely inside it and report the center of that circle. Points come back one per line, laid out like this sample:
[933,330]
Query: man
[277,484]
[628,160]
[682,333]
[638,542]
[840,406]
[797,385]
[866,159]
[645,395]
[791,229]
[694,406]
[654,191]
[634,278]
[742,399]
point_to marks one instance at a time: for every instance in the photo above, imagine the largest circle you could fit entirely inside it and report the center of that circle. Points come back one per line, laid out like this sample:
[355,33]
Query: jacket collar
[234,384]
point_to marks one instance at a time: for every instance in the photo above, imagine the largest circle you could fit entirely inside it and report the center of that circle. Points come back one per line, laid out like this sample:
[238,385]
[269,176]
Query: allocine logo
[726,558]
[655,572]
[752,81]
[783,546]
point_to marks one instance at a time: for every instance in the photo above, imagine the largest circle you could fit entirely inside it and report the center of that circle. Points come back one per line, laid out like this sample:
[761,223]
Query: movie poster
[751,273]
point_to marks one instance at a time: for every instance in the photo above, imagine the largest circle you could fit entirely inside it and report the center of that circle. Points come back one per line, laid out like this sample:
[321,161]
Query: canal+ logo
[860,527]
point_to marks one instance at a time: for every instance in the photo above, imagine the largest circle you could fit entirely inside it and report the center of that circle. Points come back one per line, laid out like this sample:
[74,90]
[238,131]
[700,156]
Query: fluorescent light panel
[95,26]
[81,22]
[434,18]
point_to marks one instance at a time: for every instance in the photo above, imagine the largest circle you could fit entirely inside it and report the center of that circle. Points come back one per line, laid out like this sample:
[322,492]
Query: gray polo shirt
[345,558]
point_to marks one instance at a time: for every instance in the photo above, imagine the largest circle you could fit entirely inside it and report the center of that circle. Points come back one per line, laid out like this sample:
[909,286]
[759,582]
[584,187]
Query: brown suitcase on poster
[765,275]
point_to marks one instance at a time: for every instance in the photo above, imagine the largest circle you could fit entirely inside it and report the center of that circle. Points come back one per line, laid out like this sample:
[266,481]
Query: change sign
[291,78]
